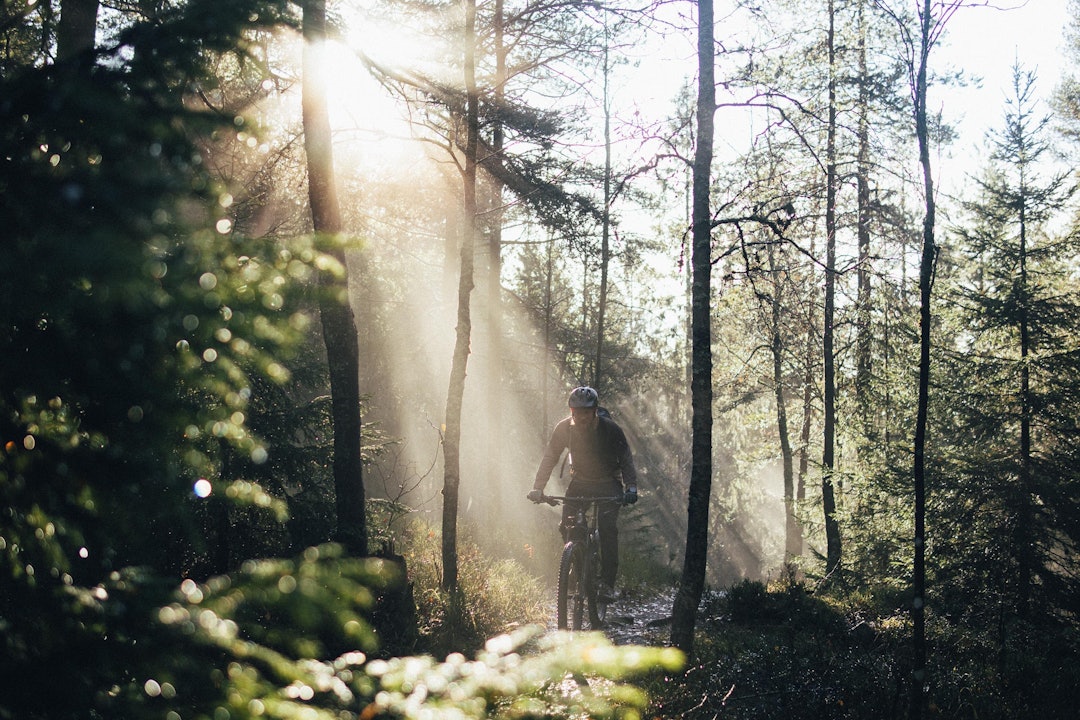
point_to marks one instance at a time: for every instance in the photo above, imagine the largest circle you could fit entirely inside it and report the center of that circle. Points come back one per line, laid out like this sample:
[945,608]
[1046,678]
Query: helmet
[583,397]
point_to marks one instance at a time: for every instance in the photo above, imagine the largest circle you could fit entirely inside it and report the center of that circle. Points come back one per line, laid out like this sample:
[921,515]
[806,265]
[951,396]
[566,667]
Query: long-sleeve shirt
[598,456]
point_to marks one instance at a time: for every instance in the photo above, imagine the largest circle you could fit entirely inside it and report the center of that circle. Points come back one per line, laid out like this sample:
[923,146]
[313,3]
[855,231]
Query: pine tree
[1018,356]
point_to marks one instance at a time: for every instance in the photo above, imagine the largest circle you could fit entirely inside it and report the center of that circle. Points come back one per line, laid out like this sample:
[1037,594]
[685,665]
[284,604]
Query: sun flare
[370,121]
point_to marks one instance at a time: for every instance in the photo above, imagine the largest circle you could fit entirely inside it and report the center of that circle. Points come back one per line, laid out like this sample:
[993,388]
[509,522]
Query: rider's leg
[607,524]
[569,513]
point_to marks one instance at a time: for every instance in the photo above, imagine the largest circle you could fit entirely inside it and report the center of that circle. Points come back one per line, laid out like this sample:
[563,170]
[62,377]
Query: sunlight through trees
[293,293]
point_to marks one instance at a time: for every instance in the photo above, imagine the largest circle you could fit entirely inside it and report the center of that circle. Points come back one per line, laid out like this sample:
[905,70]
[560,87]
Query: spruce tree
[1008,506]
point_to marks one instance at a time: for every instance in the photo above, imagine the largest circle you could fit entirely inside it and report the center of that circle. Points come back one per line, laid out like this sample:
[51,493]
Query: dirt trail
[634,619]
[637,620]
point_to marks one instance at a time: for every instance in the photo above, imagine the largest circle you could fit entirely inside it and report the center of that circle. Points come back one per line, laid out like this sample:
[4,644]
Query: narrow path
[637,619]
[640,620]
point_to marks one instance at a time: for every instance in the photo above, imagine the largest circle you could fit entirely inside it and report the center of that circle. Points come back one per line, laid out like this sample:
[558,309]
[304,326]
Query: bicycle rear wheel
[571,604]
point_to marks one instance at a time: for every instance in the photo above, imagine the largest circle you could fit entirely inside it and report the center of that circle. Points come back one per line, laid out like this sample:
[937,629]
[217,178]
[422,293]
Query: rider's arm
[560,438]
[626,463]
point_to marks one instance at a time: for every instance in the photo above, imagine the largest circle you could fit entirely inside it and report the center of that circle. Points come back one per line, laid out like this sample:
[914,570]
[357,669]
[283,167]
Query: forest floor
[634,619]
[786,652]
[762,656]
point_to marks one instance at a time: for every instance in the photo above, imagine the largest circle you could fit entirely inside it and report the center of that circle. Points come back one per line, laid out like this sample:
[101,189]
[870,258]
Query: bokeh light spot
[203,488]
[191,591]
[286,584]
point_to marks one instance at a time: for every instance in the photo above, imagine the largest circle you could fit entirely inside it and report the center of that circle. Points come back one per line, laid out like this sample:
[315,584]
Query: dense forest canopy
[211,208]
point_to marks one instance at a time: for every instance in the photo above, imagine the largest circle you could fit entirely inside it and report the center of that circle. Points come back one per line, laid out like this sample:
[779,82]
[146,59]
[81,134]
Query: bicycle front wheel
[597,606]
[571,605]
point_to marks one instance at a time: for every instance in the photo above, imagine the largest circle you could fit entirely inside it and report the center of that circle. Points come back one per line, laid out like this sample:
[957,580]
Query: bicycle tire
[597,607]
[571,593]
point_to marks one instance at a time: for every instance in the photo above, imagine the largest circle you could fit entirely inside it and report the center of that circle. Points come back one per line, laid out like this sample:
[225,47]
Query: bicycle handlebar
[556,499]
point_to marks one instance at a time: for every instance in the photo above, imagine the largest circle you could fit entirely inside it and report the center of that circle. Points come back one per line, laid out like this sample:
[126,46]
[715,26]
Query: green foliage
[1034,676]
[276,638]
[749,602]
[640,570]
[147,346]
[780,651]
[133,322]
[524,674]
[1007,488]
[494,594]
[287,638]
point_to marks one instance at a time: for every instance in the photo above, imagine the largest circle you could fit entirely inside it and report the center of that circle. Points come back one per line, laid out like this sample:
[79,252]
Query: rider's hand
[535,495]
[630,496]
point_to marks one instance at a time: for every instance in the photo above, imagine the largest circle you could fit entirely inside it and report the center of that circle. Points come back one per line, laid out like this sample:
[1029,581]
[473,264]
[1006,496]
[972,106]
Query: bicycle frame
[579,566]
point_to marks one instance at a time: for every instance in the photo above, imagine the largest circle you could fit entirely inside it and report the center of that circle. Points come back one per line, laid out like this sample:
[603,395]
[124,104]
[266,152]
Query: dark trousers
[607,524]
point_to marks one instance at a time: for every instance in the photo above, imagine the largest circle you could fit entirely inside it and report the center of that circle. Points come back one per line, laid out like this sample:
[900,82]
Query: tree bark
[792,532]
[863,345]
[828,461]
[338,322]
[929,253]
[1025,540]
[456,391]
[605,234]
[549,309]
[76,32]
[493,412]
[692,582]
[810,355]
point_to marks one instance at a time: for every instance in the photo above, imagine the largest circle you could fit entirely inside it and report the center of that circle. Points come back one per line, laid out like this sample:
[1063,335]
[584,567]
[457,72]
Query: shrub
[493,596]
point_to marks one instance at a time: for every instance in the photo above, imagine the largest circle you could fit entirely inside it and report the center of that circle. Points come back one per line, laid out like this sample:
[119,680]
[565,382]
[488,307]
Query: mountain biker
[601,465]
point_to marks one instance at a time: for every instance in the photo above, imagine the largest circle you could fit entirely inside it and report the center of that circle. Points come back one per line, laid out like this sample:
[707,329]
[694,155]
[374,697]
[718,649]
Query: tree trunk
[809,368]
[828,462]
[549,309]
[807,423]
[692,582]
[1025,541]
[926,274]
[338,323]
[792,533]
[605,235]
[863,345]
[493,412]
[456,392]
[76,32]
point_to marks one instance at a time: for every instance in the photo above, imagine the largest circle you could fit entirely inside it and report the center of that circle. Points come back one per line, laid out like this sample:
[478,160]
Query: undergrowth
[776,650]
[493,596]
[782,651]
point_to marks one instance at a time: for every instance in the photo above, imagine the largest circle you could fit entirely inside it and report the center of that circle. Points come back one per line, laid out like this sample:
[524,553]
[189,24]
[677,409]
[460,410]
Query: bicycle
[579,566]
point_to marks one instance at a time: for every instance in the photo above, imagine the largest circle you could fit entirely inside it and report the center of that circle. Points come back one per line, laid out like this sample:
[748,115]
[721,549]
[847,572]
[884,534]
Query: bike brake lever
[549,501]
